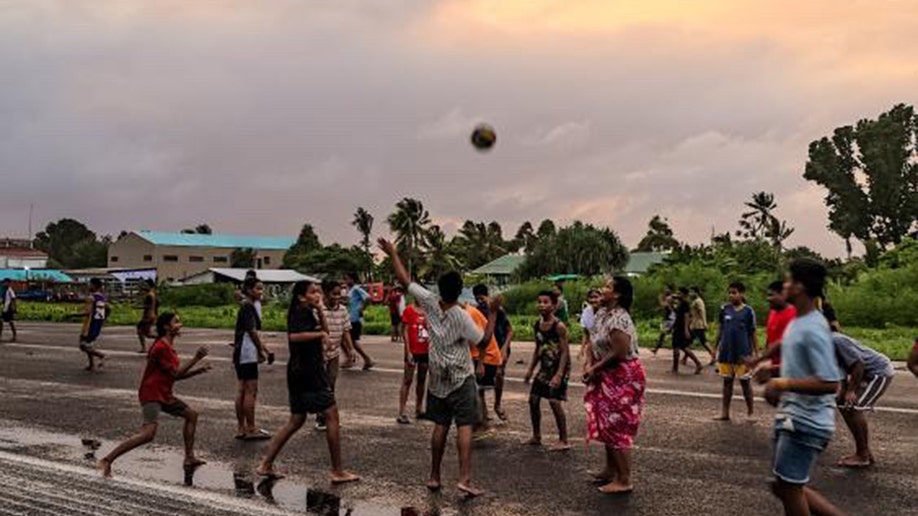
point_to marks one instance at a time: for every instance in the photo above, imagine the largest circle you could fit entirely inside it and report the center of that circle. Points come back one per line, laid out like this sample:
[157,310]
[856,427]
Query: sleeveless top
[548,342]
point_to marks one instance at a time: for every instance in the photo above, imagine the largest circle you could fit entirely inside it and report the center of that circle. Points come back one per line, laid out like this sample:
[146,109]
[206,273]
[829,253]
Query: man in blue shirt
[804,394]
[357,300]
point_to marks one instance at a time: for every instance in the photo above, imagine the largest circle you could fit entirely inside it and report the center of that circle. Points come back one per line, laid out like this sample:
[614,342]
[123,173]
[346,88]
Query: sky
[258,116]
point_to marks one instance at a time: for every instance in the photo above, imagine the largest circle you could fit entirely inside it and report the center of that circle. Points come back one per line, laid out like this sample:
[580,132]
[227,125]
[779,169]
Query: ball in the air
[483,137]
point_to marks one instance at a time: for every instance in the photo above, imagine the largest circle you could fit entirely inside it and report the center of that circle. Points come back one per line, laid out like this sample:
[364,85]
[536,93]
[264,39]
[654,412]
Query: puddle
[165,465]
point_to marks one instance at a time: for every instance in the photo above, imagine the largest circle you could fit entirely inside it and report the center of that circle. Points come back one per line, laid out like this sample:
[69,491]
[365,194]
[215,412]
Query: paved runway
[685,463]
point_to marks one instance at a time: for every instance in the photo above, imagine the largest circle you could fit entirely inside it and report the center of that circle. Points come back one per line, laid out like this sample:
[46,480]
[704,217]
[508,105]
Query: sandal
[403,420]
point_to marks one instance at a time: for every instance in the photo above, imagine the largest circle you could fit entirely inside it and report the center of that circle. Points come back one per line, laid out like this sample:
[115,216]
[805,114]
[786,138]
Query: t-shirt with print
[355,299]
[450,334]
[492,352]
[306,366]
[338,322]
[775,328]
[849,352]
[608,321]
[159,375]
[807,351]
[416,326]
[247,321]
[737,327]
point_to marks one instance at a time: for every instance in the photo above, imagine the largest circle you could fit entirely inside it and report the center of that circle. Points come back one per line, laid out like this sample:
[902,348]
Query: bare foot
[469,491]
[268,472]
[433,485]
[722,418]
[602,476]
[616,488]
[855,461]
[560,446]
[193,463]
[368,365]
[699,369]
[105,467]
[88,368]
[535,441]
[343,477]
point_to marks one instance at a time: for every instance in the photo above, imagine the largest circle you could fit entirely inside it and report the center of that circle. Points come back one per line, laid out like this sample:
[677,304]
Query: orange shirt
[492,353]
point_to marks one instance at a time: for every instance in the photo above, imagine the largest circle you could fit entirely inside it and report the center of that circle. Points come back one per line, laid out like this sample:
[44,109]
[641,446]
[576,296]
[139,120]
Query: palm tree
[755,223]
[408,222]
[438,253]
[363,221]
[525,237]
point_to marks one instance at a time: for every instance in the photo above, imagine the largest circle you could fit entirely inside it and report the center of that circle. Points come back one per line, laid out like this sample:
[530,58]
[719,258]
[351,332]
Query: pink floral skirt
[614,405]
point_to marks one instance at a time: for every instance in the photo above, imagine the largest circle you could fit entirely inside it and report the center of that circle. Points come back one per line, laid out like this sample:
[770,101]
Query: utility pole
[31,209]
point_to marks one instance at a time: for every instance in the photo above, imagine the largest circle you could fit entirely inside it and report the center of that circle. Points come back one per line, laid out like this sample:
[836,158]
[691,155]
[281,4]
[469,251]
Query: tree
[439,255]
[363,221]
[408,223]
[331,261]
[72,245]
[525,238]
[659,237]
[479,243]
[243,258]
[577,249]
[200,229]
[870,172]
[754,223]
[546,229]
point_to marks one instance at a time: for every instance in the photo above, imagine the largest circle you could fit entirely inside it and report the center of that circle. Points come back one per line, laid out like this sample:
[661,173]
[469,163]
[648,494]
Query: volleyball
[483,137]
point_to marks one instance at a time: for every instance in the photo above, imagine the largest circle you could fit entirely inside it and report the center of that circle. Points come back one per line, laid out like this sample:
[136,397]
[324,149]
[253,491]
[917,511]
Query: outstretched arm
[401,273]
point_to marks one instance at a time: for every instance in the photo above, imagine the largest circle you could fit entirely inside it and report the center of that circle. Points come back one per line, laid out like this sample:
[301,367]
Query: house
[18,254]
[180,255]
[236,276]
[640,263]
[501,270]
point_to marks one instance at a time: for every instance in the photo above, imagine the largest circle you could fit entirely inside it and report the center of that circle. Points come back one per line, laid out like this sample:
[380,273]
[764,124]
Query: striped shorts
[870,390]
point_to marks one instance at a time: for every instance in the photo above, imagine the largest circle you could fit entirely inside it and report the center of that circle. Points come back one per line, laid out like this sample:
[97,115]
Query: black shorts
[421,358]
[460,406]
[396,320]
[700,335]
[356,331]
[8,316]
[486,381]
[680,342]
[544,390]
[310,402]
[247,371]
[145,327]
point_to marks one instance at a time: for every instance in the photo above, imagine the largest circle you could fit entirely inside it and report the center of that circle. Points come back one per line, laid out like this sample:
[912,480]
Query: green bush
[213,295]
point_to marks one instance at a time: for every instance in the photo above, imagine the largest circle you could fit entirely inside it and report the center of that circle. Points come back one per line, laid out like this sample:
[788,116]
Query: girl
[615,379]
[249,351]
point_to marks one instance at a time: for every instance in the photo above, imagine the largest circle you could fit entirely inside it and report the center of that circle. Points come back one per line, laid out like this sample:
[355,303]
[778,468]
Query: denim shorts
[795,454]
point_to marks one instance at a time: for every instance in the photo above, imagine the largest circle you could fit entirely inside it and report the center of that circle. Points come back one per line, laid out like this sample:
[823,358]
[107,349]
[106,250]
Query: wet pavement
[684,463]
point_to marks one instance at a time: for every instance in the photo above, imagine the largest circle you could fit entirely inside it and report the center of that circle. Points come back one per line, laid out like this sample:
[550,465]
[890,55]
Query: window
[170,258]
[148,257]
[195,259]
[114,259]
[267,260]
[221,259]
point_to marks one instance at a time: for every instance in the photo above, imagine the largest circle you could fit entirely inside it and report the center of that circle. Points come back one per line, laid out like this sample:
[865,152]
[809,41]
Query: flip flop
[270,475]
[259,435]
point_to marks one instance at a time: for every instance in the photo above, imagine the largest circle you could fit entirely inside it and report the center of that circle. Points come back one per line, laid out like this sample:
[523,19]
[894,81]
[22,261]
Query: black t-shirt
[246,320]
[306,365]
[682,311]
[501,324]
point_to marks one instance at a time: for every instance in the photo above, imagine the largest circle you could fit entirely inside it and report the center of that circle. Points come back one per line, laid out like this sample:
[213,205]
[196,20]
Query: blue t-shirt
[736,328]
[806,351]
[355,298]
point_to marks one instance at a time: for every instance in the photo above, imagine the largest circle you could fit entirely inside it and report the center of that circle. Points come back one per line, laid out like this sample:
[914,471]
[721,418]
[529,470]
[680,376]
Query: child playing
[338,325]
[94,317]
[552,355]
[417,346]
[736,342]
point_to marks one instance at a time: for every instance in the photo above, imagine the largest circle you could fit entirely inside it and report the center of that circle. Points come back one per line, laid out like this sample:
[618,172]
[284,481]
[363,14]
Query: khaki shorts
[728,370]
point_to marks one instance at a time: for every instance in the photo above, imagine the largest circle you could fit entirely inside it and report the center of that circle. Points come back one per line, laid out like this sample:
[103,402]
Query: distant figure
[682,334]
[665,302]
[357,300]
[562,312]
[94,315]
[149,315]
[552,356]
[8,314]
[156,393]
[396,303]
[416,336]
[588,319]
[867,375]
[736,344]
[804,394]
[698,322]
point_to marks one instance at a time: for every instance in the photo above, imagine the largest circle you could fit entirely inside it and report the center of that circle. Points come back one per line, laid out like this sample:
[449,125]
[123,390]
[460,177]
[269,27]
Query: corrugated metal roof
[222,241]
[503,266]
[640,263]
[265,275]
[52,275]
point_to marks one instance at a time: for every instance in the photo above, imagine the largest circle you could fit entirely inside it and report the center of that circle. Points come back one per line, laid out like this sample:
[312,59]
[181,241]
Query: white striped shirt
[451,333]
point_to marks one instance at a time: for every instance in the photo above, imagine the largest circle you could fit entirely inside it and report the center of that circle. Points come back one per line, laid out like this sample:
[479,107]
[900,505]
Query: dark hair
[95,283]
[776,286]
[696,290]
[150,283]
[625,292]
[593,291]
[162,322]
[683,291]
[352,276]
[299,289]
[327,286]
[480,290]
[549,294]
[738,286]
[559,286]
[251,273]
[811,274]
[450,286]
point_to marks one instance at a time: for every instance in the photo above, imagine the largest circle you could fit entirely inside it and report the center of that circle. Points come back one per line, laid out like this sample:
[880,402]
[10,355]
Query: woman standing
[248,351]
[615,379]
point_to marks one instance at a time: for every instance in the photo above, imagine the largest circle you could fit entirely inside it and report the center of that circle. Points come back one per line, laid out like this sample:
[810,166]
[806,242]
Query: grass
[893,341]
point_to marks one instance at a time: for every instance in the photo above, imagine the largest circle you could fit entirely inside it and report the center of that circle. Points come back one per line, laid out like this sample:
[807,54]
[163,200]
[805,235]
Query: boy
[396,302]
[416,337]
[682,335]
[148,318]
[357,299]
[503,332]
[338,325]
[552,354]
[94,316]
[805,392]
[486,363]
[736,341]
[155,393]
[698,323]
[867,375]
[451,392]
[8,314]
[562,311]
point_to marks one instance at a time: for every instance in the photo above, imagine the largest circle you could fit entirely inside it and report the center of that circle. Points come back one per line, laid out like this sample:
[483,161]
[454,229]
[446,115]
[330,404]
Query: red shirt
[159,376]
[416,326]
[774,329]
[393,301]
